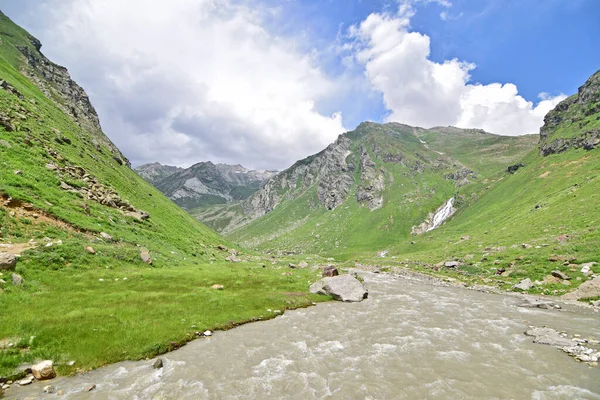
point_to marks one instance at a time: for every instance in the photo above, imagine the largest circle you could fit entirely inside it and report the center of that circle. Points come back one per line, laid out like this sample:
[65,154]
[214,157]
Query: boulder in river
[342,287]
[43,370]
[550,337]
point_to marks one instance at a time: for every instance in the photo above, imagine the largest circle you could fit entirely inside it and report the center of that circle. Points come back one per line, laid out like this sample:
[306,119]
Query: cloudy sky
[266,82]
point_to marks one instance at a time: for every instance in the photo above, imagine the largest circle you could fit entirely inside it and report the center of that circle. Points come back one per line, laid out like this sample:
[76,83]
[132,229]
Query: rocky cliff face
[204,183]
[156,172]
[329,170]
[56,83]
[574,122]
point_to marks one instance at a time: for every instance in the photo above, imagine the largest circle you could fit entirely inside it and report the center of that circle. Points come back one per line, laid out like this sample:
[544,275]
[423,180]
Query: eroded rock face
[56,83]
[372,183]
[342,287]
[575,110]
[328,168]
[588,141]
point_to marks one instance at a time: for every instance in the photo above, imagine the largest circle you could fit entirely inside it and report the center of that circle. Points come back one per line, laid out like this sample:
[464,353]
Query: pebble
[207,333]
[90,388]
[26,381]
[49,389]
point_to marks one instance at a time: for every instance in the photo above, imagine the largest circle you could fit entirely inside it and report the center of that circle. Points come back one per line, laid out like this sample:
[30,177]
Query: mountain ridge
[336,172]
[204,183]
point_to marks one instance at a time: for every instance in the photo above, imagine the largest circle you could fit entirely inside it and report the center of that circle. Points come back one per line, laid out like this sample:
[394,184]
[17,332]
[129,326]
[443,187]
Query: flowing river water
[408,340]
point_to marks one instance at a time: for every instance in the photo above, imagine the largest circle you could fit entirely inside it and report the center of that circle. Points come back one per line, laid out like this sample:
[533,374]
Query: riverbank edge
[437,280]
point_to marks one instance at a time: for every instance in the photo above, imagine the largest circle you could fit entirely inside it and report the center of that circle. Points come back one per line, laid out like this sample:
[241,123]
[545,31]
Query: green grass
[76,317]
[71,314]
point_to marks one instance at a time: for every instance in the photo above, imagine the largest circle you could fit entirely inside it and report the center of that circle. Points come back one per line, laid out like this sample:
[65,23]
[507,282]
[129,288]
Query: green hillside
[64,187]
[420,169]
[537,218]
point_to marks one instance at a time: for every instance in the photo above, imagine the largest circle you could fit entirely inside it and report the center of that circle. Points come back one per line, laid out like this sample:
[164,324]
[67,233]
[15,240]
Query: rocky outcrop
[56,83]
[372,182]
[328,169]
[90,188]
[577,111]
[588,141]
[461,176]
[549,337]
[342,287]
[514,168]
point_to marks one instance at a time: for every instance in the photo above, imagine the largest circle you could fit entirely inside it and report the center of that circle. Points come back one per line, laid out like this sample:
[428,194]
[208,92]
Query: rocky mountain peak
[155,172]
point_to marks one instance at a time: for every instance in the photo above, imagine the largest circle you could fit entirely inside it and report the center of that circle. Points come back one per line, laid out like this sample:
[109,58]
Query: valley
[104,268]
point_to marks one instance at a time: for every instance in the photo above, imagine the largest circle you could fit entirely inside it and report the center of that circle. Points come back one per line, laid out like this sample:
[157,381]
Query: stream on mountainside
[408,340]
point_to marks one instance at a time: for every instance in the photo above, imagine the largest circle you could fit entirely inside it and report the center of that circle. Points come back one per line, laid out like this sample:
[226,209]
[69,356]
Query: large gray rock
[550,337]
[524,285]
[7,261]
[342,287]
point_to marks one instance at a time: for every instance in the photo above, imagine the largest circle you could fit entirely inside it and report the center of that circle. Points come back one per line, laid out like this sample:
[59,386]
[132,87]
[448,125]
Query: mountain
[502,208]
[379,189]
[373,172]
[97,265]
[204,183]
[156,172]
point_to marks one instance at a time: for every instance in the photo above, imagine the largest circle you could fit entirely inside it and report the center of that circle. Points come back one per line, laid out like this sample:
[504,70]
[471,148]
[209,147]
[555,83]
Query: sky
[264,83]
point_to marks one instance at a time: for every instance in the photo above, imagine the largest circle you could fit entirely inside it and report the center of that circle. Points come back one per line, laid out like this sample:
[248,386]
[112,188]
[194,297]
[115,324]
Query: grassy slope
[301,224]
[548,199]
[551,197]
[73,315]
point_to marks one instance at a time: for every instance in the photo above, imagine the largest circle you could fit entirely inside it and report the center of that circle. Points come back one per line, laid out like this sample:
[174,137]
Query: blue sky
[267,82]
[541,46]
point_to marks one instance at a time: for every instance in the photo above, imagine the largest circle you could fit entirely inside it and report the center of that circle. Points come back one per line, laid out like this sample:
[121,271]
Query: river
[408,340]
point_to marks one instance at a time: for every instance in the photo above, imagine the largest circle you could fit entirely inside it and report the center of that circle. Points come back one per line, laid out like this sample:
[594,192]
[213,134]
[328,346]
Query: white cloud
[193,80]
[422,92]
